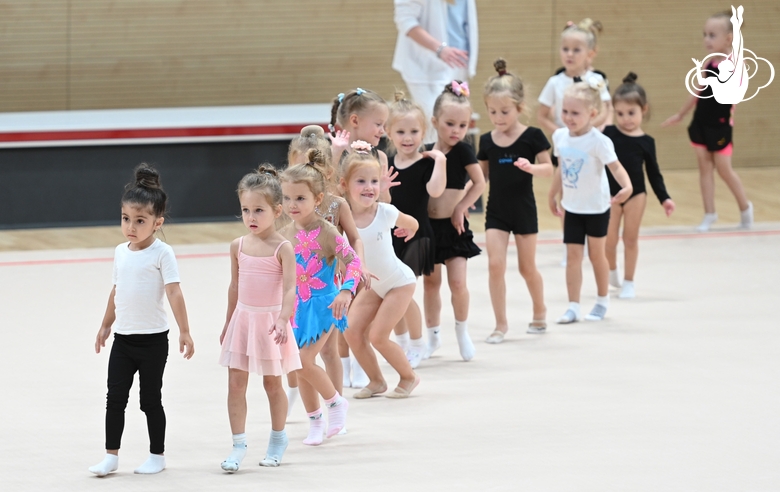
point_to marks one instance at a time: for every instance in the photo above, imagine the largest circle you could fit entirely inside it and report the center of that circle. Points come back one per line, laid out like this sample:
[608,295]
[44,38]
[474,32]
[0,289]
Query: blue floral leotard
[317,255]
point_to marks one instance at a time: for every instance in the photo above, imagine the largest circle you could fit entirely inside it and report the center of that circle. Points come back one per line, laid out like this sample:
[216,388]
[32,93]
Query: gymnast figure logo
[730,84]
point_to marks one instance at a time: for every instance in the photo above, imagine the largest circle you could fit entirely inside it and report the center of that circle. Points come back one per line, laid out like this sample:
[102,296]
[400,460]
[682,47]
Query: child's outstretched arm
[233,288]
[347,222]
[544,115]
[542,168]
[473,193]
[406,226]
[678,116]
[286,257]
[108,320]
[176,300]
[621,176]
[438,182]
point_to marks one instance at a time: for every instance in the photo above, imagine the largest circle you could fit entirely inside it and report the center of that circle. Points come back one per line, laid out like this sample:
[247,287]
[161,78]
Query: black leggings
[147,355]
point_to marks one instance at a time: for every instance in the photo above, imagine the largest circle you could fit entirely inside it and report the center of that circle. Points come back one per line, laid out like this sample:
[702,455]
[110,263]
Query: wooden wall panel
[85,54]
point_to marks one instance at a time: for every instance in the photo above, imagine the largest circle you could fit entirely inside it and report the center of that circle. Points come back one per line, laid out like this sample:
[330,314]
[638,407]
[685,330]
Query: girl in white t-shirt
[375,312]
[583,151]
[144,269]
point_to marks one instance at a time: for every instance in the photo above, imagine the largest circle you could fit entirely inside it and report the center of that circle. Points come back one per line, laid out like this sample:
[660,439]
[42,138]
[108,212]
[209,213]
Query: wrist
[440,48]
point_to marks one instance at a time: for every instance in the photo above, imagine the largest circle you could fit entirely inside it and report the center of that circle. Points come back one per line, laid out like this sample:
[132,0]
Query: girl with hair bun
[257,336]
[145,269]
[449,212]
[321,302]
[635,150]
[511,156]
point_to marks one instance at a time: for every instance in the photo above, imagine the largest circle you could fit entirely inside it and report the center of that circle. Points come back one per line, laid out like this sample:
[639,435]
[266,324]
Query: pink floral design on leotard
[306,278]
[342,245]
[307,241]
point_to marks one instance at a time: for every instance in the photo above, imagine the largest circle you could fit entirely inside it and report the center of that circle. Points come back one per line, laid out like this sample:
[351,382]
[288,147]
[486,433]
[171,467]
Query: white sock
[707,222]
[359,377]
[154,464]
[464,340]
[434,340]
[277,445]
[603,300]
[628,291]
[292,395]
[346,380]
[403,340]
[614,279]
[233,462]
[416,352]
[109,464]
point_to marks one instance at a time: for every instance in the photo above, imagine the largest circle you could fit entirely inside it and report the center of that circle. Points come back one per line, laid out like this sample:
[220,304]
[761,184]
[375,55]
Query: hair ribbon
[359,91]
[361,147]
[341,97]
[460,89]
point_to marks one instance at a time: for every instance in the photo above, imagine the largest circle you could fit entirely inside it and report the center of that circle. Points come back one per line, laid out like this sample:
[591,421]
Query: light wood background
[87,54]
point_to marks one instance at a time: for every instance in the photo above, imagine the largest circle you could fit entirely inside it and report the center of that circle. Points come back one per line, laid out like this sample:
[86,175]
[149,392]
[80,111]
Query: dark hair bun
[147,176]
[267,169]
[500,66]
[630,78]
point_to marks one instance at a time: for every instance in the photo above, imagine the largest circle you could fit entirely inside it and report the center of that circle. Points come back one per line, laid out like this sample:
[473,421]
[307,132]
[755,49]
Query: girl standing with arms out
[144,269]
[510,156]
[711,129]
[583,152]
[257,336]
[342,370]
[321,304]
[633,147]
[420,176]
[449,212]
[375,312]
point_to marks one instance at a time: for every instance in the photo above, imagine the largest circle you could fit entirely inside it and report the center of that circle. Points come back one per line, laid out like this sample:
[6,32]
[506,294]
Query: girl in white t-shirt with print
[144,270]
[583,151]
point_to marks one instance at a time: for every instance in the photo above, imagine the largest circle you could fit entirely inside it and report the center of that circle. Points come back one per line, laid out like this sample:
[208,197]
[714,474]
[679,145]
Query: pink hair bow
[460,89]
[361,147]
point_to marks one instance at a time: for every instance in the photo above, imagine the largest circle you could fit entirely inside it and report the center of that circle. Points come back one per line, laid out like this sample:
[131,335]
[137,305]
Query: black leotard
[459,157]
[633,152]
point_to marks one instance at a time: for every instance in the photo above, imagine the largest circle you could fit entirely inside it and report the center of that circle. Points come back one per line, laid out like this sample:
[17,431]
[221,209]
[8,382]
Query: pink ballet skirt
[247,345]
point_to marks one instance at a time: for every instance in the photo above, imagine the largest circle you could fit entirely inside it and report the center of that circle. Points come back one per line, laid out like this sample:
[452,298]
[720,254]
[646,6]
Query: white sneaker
[709,219]
[746,217]
[614,279]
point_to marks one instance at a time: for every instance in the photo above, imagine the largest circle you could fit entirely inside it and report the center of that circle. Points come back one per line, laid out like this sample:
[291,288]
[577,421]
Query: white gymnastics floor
[676,390]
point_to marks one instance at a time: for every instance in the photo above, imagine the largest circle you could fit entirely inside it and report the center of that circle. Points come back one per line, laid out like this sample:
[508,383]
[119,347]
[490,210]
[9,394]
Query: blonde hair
[505,82]
[448,96]
[312,173]
[264,180]
[588,92]
[311,137]
[354,161]
[400,108]
[587,27]
[726,16]
[356,101]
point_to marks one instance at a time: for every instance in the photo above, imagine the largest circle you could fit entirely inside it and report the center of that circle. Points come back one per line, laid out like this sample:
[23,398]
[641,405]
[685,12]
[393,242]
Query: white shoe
[709,219]
[746,217]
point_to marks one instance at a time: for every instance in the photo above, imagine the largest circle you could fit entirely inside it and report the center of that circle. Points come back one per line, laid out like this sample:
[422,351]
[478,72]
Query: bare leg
[343,345]
[730,177]
[237,383]
[600,266]
[432,297]
[330,357]
[456,279]
[277,400]
[633,211]
[574,254]
[497,241]
[292,378]
[613,235]
[312,378]
[706,178]
[411,322]
[361,313]
[526,259]
[379,333]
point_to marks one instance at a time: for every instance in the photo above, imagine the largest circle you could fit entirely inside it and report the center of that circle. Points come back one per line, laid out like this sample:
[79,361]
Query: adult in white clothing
[437,43]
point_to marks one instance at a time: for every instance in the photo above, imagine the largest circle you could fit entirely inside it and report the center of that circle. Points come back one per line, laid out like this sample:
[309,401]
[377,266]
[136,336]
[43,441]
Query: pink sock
[337,414]
[316,428]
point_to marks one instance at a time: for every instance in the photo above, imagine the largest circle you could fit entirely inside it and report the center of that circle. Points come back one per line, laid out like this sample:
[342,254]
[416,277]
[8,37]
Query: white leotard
[379,254]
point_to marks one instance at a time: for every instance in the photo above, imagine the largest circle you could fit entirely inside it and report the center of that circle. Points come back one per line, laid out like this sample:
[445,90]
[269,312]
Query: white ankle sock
[292,395]
[233,462]
[603,300]
[467,350]
[707,222]
[614,278]
[628,291]
[416,352]
[434,340]
[346,380]
[154,464]
[359,377]
[403,340]
[109,464]
[337,414]
[277,444]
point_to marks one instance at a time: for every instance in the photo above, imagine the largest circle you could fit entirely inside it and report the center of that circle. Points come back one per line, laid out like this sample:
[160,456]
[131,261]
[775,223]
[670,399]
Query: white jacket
[421,65]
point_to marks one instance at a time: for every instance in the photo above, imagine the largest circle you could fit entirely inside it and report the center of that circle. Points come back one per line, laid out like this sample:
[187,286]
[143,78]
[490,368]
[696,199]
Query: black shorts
[522,222]
[577,226]
[714,138]
[450,244]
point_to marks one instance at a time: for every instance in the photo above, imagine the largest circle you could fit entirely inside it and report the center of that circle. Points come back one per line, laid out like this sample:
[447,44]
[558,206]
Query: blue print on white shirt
[572,161]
